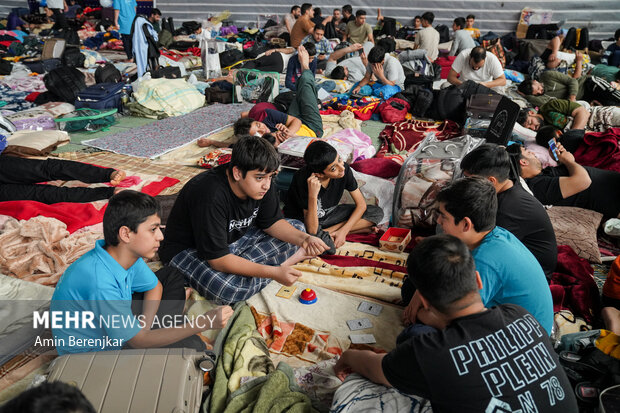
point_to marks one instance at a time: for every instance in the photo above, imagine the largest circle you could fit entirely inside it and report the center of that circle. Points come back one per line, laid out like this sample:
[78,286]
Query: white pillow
[523,133]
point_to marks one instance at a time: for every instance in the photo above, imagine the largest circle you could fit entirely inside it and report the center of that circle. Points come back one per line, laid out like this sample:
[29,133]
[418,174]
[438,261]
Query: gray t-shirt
[393,70]
[355,66]
[462,40]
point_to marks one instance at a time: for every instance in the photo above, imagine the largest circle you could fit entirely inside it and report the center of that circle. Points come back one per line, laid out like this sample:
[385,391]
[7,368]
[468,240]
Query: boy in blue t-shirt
[107,284]
[315,193]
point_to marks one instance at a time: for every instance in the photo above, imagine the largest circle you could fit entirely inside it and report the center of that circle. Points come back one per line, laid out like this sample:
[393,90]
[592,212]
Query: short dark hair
[488,160]
[442,268]
[340,10]
[310,48]
[295,7]
[155,12]
[347,8]
[617,35]
[49,397]
[242,126]
[417,17]
[317,11]
[471,16]
[338,73]
[478,53]
[522,116]
[546,133]
[525,87]
[319,26]
[252,152]
[514,151]
[360,12]
[318,155]
[376,55]
[305,7]
[460,22]
[429,17]
[127,209]
[471,197]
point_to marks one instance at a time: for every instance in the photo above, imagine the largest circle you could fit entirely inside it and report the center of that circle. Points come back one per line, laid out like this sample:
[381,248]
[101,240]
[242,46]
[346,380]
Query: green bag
[91,120]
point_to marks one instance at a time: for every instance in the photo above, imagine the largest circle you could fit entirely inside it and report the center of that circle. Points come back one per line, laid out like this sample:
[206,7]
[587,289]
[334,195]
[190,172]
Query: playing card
[359,324]
[362,339]
[286,292]
[370,308]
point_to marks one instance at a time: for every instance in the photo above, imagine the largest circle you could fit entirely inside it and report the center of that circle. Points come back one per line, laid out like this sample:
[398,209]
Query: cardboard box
[395,239]
[532,16]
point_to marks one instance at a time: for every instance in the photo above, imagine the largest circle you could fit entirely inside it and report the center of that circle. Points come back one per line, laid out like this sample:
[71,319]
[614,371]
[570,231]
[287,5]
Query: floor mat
[158,138]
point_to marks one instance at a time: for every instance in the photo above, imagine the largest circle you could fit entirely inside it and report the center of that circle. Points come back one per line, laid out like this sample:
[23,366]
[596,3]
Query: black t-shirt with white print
[499,360]
[208,216]
[297,198]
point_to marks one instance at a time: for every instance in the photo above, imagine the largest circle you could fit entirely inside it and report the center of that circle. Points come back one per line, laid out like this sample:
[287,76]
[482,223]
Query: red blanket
[74,214]
[404,136]
[600,150]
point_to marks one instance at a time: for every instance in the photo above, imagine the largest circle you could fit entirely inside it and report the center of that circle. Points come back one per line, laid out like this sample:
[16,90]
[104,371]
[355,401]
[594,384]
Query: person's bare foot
[119,189]
[304,58]
[299,256]
[117,177]
[204,142]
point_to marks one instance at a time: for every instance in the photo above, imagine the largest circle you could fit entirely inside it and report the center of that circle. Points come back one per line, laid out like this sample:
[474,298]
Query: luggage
[388,44]
[541,31]
[214,94]
[101,96]
[255,86]
[42,66]
[482,106]
[444,33]
[420,99]
[65,83]
[72,57]
[230,57]
[253,51]
[53,49]
[145,380]
[107,73]
[393,110]
[169,72]
[419,80]
[86,119]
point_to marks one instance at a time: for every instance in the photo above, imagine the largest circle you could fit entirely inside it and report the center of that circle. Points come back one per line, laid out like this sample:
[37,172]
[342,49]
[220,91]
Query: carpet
[158,138]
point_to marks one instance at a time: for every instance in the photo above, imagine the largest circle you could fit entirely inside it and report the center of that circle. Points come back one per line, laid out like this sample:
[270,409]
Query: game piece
[370,308]
[362,339]
[307,296]
[286,292]
[359,324]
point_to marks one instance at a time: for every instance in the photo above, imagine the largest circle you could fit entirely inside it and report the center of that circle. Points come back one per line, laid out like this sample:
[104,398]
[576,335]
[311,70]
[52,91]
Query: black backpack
[6,67]
[387,43]
[444,33]
[72,57]
[71,36]
[107,73]
[65,83]
[230,57]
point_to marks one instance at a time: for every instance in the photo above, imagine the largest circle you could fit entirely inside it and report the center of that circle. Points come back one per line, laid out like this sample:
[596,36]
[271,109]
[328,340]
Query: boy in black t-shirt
[226,232]
[495,359]
[316,190]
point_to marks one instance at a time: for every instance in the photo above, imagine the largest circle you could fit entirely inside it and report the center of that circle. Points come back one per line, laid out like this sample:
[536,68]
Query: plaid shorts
[223,288]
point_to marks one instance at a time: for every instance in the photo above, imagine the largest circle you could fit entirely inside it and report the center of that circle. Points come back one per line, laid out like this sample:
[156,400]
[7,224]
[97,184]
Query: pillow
[381,167]
[542,154]
[34,143]
[576,227]
[523,133]
[513,75]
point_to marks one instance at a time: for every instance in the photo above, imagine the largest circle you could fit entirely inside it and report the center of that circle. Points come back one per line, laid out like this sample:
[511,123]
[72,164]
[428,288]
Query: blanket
[158,138]
[41,248]
[307,334]
[79,215]
[244,359]
[360,269]
[362,108]
[600,150]
[405,136]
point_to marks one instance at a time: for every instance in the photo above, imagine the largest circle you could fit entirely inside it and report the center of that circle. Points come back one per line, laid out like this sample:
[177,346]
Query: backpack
[444,33]
[65,83]
[419,80]
[71,36]
[389,27]
[6,67]
[107,73]
[420,99]
[387,43]
[253,51]
[100,96]
[214,94]
[393,110]
[230,57]
[169,72]
[72,57]
[42,66]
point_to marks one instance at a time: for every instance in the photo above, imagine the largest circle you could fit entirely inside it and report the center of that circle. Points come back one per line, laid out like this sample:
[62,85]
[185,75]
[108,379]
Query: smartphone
[554,149]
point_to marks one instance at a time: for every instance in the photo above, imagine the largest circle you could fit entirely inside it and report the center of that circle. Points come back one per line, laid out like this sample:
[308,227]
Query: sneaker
[327,239]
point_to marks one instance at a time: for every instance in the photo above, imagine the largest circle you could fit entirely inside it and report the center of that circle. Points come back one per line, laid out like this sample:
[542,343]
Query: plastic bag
[87,119]
[255,86]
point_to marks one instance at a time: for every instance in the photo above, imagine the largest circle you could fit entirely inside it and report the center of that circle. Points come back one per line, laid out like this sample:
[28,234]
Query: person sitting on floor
[294,67]
[303,25]
[565,115]
[226,233]
[510,273]
[570,184]
[347,13]
[518,211]
[303,117]
[315,193]
[49,397]
[556,85]
[611,56]
[352,69]
[481,67]
[428,38]
[469,26]
[20,180]
[462,39]
[103,280]
[338,23]
[387,70]
[358,31]
[467,366]
[323,46]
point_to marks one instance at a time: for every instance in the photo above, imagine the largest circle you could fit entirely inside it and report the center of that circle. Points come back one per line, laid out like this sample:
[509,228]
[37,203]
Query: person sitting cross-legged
[486,358]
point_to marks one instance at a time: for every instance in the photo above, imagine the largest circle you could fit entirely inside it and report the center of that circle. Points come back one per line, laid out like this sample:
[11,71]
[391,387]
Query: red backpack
[393,110]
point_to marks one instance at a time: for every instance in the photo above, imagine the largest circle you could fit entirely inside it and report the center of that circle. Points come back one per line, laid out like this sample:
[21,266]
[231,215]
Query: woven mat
[125,162]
